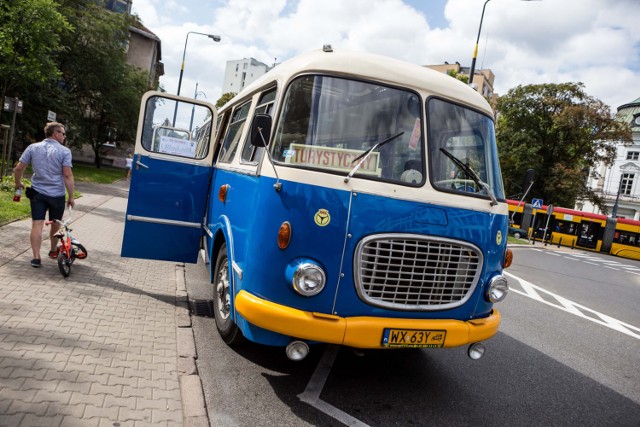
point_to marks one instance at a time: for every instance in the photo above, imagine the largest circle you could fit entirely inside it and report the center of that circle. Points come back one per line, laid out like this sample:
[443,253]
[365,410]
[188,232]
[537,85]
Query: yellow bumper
[359,332]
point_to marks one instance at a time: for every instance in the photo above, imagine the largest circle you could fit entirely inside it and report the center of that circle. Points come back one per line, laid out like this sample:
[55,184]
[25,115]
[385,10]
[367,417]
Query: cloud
[523,42]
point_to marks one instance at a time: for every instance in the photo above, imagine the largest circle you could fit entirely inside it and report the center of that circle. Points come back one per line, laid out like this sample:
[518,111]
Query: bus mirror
[260,130]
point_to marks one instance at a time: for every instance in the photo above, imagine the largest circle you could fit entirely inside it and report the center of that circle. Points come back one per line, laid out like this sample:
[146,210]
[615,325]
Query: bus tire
[227,329]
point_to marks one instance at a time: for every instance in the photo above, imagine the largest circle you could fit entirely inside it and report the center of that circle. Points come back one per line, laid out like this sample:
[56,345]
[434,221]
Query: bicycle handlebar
[49,222]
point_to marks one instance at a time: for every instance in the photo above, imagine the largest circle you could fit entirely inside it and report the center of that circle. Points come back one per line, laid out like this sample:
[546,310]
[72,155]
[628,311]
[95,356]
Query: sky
[596,42]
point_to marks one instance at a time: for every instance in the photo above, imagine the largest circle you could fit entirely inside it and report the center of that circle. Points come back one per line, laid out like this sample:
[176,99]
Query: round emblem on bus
[322,217]
[499,237]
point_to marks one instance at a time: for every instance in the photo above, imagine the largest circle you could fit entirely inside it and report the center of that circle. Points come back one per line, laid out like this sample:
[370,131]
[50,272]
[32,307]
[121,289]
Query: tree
[101,92]
[562,133]
[29,41]
[456,75]
[226,97]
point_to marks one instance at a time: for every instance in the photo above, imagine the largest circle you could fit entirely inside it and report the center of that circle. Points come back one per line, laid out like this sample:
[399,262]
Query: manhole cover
[202,307]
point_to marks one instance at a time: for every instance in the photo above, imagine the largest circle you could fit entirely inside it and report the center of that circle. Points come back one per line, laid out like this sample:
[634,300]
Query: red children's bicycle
[69,248]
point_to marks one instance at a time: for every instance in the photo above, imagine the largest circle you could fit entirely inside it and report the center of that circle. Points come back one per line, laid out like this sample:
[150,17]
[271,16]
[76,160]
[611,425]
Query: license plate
[414,338]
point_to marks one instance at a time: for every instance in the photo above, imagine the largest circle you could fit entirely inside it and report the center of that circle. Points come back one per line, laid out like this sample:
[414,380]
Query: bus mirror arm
[260,126]
[278,184]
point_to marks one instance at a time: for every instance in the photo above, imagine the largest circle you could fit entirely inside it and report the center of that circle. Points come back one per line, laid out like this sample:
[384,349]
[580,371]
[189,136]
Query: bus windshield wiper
[363,157]
[471,173]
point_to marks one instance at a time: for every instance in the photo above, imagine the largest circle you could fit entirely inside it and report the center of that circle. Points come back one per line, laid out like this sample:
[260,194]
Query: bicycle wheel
[64,264]
[79,250]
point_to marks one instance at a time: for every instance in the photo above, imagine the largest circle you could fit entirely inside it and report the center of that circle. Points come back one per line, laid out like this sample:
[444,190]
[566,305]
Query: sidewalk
[109,346]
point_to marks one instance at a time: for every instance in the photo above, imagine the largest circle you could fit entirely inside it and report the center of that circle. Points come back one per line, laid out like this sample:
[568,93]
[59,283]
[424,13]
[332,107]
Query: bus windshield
[329,122]
[462,150]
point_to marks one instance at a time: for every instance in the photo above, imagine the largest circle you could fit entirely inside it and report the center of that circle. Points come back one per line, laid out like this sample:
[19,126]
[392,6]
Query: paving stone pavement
[99,348]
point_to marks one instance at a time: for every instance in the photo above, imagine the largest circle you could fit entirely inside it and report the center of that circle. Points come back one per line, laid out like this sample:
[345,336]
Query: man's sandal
[53,254]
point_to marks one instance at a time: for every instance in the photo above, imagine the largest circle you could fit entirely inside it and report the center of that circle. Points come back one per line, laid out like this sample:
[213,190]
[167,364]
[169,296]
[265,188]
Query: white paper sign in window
[177,146]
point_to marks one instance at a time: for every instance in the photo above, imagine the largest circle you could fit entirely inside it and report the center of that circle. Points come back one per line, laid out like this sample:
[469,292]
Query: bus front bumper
[358,332]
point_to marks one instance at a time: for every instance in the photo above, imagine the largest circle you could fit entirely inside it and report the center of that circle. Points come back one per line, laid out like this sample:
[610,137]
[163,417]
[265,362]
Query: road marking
[311,394]
[533,291]
[593,260]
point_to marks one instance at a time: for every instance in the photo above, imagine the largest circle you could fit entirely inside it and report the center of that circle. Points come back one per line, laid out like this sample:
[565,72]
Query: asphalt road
[567,354]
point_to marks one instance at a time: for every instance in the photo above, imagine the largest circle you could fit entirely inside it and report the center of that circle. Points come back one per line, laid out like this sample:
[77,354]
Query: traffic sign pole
[546,227]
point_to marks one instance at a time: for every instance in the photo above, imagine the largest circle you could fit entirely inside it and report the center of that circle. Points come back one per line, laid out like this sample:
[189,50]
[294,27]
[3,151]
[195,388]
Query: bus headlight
[498,289]
[308,279]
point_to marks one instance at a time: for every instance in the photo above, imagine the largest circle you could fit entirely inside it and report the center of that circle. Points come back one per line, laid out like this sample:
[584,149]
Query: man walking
[51,164]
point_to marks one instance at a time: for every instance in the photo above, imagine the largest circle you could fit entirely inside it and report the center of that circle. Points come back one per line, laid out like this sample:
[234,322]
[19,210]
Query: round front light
[308,279]
[498,289]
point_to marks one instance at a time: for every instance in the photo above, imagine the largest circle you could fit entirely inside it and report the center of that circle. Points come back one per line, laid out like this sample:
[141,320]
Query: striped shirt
[47,158]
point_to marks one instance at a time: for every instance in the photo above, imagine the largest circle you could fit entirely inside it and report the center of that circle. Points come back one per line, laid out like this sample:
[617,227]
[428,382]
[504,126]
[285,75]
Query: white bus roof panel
[373,67]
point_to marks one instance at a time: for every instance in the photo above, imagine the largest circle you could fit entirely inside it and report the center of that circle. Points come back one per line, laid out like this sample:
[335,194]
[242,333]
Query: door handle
[139,163]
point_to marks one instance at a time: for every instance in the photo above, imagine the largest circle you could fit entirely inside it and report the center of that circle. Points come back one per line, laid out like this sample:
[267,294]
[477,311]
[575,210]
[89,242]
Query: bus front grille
[415,272]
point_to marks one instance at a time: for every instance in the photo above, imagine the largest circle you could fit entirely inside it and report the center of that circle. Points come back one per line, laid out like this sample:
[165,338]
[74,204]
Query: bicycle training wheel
[64,264]
[79,250]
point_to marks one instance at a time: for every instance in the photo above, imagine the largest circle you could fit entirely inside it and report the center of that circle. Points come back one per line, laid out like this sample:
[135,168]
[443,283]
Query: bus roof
[372,67]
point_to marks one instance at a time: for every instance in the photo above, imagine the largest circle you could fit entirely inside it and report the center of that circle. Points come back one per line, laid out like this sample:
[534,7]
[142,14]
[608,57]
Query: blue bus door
[172,167]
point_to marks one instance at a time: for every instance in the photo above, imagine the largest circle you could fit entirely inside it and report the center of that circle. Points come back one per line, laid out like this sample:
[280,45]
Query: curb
[194,411]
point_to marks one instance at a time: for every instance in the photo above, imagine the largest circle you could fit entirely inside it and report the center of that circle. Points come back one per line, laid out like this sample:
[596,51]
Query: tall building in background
[242,72]
[482,79]
[619,184]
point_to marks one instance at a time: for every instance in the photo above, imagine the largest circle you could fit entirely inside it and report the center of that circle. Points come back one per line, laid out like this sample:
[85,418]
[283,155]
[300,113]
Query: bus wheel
[222,299]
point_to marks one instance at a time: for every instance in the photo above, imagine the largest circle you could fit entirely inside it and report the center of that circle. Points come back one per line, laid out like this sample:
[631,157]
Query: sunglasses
[63,133]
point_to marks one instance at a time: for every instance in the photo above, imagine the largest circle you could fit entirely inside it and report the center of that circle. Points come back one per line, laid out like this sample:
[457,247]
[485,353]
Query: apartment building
[241,72]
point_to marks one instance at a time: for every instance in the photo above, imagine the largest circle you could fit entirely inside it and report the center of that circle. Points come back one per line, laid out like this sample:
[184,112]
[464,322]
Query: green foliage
[86,173]
[462,77]
[561,132]
[7,184]
[30,36]
[10,210]
[101,91]
[226,97]
[72,60]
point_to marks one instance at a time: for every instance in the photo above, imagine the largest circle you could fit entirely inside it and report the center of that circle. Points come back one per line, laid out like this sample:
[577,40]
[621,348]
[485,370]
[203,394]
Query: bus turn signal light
[284,235]
[222,193]
[508,258]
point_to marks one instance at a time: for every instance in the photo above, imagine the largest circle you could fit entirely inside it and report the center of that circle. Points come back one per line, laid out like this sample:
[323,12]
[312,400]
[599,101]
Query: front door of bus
[172,166]
[588,234]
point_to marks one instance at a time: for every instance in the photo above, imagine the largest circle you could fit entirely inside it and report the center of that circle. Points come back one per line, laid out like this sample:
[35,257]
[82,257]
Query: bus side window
[234,132]
[251,153]
[221,129]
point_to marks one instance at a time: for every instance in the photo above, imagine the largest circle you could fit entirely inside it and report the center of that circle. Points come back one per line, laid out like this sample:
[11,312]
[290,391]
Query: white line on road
[311,393]
[533,291]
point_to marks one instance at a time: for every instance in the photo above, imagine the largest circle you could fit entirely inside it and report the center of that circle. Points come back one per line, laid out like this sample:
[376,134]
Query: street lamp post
[184,53]
[475,51]
[614,213]
[193,108]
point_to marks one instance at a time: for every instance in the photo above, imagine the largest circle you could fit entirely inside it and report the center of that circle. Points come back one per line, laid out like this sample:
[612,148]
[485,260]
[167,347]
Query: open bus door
[170,178]
[588,234]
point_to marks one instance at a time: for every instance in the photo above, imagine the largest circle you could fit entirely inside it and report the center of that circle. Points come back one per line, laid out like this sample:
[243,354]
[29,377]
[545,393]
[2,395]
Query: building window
[633,155]
[118,6]
[626,182]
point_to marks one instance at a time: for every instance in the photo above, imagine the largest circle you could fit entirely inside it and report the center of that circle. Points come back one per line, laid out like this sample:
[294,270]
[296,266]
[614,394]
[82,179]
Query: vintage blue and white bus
[343,198]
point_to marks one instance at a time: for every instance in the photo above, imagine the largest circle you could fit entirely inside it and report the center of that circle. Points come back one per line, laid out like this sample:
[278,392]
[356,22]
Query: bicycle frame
[69,247]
